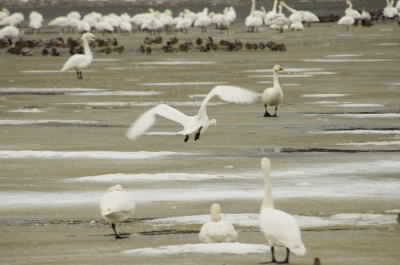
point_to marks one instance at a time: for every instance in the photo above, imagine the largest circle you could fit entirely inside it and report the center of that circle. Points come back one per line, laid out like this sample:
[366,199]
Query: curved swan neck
[288,7]
[350,4]
[86,47]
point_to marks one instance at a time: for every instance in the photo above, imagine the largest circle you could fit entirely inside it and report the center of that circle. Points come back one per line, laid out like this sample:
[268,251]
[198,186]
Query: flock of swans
[156,21]
[279,228]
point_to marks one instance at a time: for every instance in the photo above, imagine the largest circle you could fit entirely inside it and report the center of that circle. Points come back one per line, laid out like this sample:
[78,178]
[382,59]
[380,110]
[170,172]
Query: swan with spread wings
[198,123]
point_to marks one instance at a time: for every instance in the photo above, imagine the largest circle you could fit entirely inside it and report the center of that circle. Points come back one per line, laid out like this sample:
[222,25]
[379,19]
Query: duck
[280,229]
[197,123]
[116,205]
[78,62]
[217,230]
[273,96]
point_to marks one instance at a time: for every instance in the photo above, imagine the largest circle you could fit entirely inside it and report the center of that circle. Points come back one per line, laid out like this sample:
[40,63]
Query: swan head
[277,68]
[88,36]
[265,164]
[117,187]
[213,122]
[215,210]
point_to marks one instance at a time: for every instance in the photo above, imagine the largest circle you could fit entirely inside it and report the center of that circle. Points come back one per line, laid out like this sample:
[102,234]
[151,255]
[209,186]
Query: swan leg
[286,261]
[197,136]
[273,257]
[276,109]
[77,74]
[186,138]
[266,114]
[81,76]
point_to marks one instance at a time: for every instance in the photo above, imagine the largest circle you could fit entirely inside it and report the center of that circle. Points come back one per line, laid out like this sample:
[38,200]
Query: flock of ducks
[279,228]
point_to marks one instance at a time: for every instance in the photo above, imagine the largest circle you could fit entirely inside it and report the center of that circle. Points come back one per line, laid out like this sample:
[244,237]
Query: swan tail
[299,250]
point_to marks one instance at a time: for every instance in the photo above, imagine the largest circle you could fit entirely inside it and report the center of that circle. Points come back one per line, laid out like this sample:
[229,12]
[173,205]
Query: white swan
[253,21]
[305,16]
[352,12]
[9,32]
[279,228]
[347,21]
[389,11]
[273,96]
[78,62]
[217,230]
[231,94]
[116,205]
[365,15]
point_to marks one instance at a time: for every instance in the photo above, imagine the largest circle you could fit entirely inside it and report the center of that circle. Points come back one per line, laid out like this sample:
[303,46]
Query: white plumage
[217,230]
[273,96]
[78,62]
[279,228]
[116,205]
[231,94]
[9,32]
[346,21]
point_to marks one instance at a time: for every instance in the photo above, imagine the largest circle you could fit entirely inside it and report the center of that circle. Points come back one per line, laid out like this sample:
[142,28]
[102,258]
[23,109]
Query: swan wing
[230,94]
[77,61]
[147,120]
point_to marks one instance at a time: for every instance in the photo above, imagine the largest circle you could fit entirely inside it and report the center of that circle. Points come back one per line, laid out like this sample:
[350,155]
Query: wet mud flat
[334,149]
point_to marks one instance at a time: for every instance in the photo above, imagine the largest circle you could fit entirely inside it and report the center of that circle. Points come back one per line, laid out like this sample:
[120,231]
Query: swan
[217,230]
[280,22]
[253,21]
[352,12]
[4,13]
[305,16]
[35,20]
[389,11]
[79,61]
[270,15]
[347,21]
[273,96]
[279,228]
[365,15]
[116,205]
[12,20]
[203,20]
[231,94]
[398,5]
[9,32]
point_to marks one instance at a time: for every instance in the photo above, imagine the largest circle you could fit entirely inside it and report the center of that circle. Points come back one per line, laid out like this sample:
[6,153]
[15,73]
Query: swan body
[12,20]
[389,11]
[9,32]
[35,20]
[4,12]
[270,15]
[280,21]
[279,228]
[116,205]
[365,15]
[78,62]
[199,122]
[273,96]
[346,21]
[217,230]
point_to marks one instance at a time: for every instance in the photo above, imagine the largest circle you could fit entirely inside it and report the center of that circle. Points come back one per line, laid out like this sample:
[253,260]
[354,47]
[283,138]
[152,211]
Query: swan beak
[280,68]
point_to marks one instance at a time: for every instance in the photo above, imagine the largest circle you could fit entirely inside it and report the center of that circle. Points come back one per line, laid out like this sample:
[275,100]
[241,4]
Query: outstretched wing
[147,120]
[230,94]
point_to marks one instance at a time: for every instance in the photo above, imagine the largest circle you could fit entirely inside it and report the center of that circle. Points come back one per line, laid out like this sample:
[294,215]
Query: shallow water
[63,144]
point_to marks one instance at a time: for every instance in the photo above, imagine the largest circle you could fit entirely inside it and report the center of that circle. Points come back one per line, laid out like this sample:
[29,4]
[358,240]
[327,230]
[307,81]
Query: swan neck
[275,5]
[215,211]
[253,7]
[267,202]
[276,81]
[86,47]
[350,5]
[288,7]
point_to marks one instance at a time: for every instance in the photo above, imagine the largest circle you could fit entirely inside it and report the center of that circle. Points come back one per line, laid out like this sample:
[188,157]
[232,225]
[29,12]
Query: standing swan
[217,230]
[279,228]
[78,62]
[116,205]
[273,96]
[231,94]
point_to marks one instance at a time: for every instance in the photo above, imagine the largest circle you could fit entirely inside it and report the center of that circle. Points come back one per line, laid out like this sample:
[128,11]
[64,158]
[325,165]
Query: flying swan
[199,122]
[279,228]
[116,205]
[217,230]
[78,62]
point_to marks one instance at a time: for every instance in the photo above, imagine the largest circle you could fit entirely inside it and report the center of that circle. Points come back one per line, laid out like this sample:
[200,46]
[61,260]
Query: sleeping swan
[116,205]
[279,228]
[217,230]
